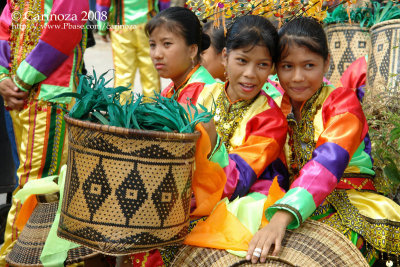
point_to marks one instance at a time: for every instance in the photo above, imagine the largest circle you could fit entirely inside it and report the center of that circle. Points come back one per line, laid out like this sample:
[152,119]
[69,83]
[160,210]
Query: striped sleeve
[344,127]
[57,41]
[264,140]
[5,22]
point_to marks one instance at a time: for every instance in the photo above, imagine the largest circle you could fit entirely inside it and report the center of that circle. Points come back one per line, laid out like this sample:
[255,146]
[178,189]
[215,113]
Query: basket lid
[30,243]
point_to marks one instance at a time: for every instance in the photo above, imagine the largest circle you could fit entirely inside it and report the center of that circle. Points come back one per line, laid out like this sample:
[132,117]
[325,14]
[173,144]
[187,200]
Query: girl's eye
[167,44]
[286,66]
[152,45]
[241,60]
[309,66]
[264,65]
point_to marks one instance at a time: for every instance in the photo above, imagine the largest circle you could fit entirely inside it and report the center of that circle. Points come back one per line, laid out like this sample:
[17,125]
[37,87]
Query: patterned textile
[22,47]
[248,129]
[339,127]
[327,214]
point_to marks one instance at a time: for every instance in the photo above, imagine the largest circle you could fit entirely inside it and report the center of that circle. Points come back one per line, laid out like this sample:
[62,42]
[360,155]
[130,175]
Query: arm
[265,137]
[13,97]
[57,42]
[345,127]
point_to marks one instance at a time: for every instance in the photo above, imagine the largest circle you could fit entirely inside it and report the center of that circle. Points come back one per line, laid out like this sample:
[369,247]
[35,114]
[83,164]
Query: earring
[193,63]
[225,75]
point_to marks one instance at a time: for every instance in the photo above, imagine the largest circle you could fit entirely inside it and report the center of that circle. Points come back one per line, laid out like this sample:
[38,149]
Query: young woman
[176,42]
[250,127]
[211,58]
[328,155]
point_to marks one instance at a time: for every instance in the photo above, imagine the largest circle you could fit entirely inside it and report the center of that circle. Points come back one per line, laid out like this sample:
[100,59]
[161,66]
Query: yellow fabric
[374,206]
[131,51]
[211,92]
[30,127]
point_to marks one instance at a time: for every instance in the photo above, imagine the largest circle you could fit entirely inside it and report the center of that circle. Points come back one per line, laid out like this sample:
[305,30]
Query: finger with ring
[257,252]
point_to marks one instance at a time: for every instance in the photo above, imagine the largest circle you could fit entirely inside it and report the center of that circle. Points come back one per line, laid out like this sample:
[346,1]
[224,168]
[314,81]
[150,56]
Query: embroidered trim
[301,135]
[382,234]
[228,116]
[299,217]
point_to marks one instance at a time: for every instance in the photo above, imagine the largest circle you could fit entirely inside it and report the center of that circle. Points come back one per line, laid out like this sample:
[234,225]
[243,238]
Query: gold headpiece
[282,10]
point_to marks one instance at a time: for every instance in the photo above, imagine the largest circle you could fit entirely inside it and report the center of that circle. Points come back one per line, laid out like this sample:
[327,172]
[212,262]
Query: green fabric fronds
[98,103]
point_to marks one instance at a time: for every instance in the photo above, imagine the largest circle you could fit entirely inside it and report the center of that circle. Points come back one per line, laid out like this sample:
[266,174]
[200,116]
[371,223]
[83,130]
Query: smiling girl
[176,42]
[328,154]
[250,127]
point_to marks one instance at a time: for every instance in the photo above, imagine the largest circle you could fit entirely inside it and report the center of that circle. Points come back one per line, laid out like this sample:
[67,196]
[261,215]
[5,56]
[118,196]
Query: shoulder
[201,75]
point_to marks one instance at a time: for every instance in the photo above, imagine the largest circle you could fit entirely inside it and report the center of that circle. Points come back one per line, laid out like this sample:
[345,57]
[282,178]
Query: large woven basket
[346,42]
[126,190]
[313,244]
[384,58]
[29,246]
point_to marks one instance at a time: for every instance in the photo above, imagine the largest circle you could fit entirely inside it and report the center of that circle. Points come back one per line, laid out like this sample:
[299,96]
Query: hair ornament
[283,11]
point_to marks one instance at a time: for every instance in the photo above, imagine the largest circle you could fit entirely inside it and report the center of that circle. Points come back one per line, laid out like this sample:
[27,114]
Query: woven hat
[312,244]
[29,246]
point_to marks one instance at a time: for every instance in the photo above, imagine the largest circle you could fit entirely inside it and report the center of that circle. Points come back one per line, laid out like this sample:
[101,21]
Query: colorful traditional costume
[328,150]
[191,86]
[40,45]
[251,135]
[126,20]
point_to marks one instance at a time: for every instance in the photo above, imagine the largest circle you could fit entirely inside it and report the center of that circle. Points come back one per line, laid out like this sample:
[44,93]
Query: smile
[247,87]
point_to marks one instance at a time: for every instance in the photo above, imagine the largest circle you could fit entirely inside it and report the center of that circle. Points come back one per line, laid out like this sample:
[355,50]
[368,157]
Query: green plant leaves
[97,103]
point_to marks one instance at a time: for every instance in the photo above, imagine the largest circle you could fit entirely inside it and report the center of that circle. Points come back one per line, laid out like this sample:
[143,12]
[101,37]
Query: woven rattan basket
[384,58]
[29,246]
[126,190]
[346,42]
[313,244]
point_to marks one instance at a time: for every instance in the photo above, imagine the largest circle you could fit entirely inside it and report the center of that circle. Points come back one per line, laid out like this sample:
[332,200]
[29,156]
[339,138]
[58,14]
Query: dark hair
[217,35]
[306,32]
[252,30]
[182,21]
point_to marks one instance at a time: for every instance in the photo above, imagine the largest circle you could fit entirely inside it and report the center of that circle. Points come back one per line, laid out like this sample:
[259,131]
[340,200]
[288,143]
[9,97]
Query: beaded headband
[284,11]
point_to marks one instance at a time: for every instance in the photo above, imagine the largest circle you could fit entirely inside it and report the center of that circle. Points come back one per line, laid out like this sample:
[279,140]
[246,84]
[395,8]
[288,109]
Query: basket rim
[346,24]
[130,132]
[384,23]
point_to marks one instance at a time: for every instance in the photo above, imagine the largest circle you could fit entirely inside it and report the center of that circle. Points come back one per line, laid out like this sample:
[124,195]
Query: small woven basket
[312,244]
[29,246]
[346,42]
[126,190]
[384,58]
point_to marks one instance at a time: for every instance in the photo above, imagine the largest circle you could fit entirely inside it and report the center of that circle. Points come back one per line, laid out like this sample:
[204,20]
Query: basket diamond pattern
[126,190]
[384,59]
[346,42]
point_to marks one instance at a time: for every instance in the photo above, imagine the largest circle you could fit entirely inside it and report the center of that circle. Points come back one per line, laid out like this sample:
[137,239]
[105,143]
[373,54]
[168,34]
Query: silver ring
[256,254]
[258,250]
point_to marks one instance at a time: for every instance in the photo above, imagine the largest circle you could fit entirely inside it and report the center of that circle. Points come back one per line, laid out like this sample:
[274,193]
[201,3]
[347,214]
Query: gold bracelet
[4,76]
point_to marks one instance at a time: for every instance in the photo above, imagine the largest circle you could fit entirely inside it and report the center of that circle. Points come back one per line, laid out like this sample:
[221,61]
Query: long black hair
[184,22]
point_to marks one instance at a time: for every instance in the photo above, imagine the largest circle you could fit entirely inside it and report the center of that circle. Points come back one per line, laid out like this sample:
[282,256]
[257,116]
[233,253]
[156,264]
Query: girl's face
[170,54]
[212,61]
[247,70]
[301,73]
